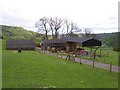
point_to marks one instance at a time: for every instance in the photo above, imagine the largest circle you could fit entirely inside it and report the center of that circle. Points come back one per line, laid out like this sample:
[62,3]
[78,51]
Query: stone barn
[20,44]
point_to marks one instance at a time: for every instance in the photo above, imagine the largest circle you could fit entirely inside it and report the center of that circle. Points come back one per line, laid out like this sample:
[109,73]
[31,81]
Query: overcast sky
[99,15]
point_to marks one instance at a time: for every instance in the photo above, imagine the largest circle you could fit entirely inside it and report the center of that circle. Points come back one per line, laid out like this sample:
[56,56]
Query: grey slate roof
[20,42]
[67,39]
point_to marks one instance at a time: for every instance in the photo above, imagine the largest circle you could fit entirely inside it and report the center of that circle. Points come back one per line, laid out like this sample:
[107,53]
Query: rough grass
[31,69]
[108,55]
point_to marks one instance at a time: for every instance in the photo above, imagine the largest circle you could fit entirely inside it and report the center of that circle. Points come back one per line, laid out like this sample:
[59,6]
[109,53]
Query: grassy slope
[32,69]
[12,32]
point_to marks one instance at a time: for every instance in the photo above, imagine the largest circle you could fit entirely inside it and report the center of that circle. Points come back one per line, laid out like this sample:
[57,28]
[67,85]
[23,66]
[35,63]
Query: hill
[14,32]
[105,35]
[110,40]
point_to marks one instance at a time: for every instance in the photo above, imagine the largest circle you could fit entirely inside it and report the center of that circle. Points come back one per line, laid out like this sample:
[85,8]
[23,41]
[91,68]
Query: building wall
[15,47]
[58,46]
[71,46]
[20,44]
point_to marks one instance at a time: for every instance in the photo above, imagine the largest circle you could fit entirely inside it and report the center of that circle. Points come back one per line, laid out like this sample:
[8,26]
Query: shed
[70,43]
[20,44]
[91,42]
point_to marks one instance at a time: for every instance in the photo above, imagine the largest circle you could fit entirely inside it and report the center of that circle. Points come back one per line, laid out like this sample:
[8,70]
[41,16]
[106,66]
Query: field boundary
[109,67]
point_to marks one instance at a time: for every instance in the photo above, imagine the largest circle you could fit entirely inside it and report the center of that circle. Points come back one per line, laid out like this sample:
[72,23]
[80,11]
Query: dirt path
[97,64]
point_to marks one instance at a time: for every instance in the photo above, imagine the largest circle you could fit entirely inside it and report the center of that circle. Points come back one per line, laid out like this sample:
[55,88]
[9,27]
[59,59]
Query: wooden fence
[70,57]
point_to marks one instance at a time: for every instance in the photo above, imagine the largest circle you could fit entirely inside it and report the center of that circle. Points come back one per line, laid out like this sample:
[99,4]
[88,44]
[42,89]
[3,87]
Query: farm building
[20,44]
[70,44]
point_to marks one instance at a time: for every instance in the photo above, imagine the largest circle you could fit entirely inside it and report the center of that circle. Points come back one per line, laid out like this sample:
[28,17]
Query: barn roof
[20,42]
[81,40]
[72,39]
[67,39]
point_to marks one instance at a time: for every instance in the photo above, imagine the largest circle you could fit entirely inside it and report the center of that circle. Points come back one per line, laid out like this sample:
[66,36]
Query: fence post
[61,54]
[93,63]
[80,60]
[68,57]
[73,57]
[57,53]
[110,67]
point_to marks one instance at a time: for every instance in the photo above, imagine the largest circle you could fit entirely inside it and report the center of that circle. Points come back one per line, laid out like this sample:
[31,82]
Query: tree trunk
[56,34]
[46,36]
[52,35]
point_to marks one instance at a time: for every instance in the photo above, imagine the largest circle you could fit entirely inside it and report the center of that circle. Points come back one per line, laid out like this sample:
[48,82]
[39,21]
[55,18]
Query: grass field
[31,69]
[111,57]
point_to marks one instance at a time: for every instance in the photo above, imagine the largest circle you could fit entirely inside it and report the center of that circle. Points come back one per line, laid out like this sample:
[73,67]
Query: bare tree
[57,24]
[72,34]
[88,33]
[42,26]
[51,26]
[67,25]
[71,28]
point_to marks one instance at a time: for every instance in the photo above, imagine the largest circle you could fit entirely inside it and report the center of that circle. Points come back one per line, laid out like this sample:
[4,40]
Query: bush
[116,49]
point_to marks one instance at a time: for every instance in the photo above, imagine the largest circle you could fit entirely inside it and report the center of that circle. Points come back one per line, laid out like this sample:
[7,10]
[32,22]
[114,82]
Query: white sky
[99,15]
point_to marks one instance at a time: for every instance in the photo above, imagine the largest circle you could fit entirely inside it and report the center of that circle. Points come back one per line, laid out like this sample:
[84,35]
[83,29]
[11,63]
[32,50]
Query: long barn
[20,44]
[70,44]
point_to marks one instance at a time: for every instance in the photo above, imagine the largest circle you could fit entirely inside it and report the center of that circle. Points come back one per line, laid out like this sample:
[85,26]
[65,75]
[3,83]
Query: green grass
[31,69]
[14,32]
[112,56]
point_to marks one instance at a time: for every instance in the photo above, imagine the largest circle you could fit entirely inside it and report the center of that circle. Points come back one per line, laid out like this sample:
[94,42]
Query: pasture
[108,55]
[31,69]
